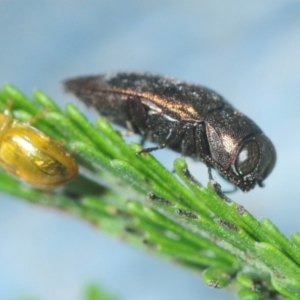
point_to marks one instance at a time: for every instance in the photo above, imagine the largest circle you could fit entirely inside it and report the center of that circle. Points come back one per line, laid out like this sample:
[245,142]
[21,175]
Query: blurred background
[248,51]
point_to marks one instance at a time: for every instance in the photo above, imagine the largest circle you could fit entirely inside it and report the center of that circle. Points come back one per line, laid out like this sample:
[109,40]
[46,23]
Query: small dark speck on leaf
[228,225]
[187,214]
[240,209]
[155,198]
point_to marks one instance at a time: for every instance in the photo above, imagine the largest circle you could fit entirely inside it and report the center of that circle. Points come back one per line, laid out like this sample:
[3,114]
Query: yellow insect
[32,156]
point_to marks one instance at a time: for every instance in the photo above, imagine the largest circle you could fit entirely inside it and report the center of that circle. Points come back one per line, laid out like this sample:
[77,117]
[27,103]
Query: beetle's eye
[247,159]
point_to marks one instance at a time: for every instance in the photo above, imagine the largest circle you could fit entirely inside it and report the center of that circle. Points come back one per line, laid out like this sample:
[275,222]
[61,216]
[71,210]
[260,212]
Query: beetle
[188,118]
[29,154]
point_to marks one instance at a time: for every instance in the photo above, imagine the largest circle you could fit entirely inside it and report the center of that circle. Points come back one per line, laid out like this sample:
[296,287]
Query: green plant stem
[133,197]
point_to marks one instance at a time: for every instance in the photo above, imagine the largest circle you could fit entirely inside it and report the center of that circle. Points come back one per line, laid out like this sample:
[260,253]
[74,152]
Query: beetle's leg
[201,144]
[143,140]
[38,116]
[172,135]
[188,144]
[137,114]
[260,183]
[126,132]
[202,148]
[217,187]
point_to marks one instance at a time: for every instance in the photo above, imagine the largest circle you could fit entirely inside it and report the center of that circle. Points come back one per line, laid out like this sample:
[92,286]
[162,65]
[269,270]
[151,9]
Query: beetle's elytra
[29,154]
[188,118]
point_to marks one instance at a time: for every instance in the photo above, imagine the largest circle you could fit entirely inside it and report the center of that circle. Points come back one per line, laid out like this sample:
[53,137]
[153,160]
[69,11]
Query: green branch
[134,198]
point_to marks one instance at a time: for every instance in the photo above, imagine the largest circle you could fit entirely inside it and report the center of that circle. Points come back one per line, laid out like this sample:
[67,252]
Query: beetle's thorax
[226,129]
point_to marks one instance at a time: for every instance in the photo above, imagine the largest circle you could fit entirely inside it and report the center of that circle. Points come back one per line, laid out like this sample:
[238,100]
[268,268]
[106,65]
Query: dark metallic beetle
[188,118]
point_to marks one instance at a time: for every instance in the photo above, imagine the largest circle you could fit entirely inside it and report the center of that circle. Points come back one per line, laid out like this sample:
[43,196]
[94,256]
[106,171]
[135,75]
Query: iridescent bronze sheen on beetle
[185,117]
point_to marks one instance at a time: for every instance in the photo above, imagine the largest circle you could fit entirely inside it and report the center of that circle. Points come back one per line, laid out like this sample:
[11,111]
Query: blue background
[248,51]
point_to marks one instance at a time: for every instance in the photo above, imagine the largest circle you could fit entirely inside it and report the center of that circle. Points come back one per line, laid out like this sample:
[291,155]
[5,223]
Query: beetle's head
[252,163]
[238,149]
